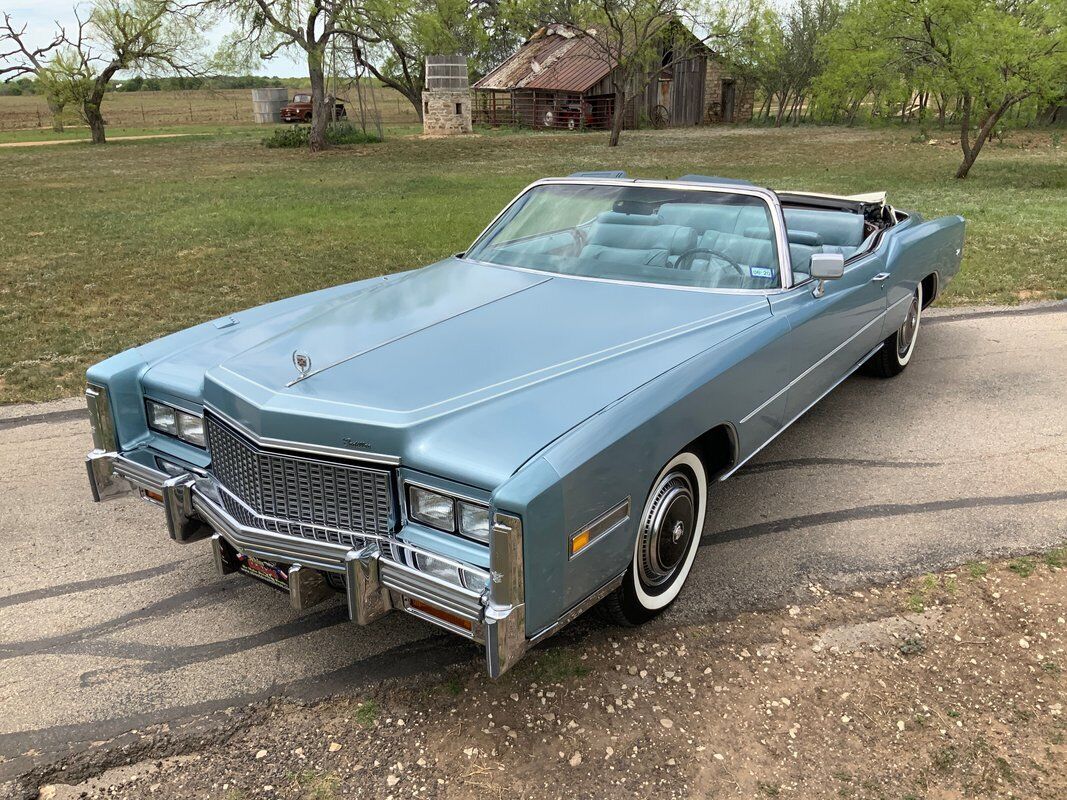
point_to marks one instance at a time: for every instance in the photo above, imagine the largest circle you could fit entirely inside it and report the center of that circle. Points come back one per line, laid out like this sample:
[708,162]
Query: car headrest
[808,238]
[620,218]
[700,216]
[673,238]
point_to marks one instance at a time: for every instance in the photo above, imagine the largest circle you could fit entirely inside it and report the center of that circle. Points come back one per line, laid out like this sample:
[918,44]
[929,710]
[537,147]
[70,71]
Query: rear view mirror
[826,267]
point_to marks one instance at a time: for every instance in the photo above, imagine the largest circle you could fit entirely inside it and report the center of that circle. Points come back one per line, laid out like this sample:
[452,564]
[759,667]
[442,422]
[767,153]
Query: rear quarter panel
[917,249]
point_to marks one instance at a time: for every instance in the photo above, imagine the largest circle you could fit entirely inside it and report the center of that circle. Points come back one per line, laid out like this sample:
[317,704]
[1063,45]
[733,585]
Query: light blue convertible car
[498,441]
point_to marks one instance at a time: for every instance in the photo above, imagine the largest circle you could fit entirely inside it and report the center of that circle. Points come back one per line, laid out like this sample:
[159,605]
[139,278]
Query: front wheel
[668,536]
[899,346]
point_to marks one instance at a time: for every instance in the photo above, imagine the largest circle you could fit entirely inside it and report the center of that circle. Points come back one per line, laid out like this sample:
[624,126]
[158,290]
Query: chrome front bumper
[375,582]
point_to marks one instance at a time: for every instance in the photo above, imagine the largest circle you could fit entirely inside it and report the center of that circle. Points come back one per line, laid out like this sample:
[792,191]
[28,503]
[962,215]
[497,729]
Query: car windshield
[302,98]
[672,236]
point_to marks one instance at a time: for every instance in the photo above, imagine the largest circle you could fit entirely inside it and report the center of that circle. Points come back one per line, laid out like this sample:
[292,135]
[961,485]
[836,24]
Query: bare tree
[268,26]
[20,60]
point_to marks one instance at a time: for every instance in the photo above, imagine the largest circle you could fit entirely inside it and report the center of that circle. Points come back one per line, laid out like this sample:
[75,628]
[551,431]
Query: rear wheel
[668,536]
[899,346]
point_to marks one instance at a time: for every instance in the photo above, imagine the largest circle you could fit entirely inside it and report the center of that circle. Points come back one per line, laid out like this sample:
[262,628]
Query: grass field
[102,248]
[168,109]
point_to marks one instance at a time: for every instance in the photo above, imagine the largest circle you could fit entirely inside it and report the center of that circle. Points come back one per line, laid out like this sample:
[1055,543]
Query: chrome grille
[295,495]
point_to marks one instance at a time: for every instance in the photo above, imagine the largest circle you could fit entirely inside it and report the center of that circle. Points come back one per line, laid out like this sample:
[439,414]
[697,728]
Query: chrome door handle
[880,277]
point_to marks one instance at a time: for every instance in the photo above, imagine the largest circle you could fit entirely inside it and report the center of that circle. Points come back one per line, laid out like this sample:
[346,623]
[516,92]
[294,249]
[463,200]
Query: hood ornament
[302,362]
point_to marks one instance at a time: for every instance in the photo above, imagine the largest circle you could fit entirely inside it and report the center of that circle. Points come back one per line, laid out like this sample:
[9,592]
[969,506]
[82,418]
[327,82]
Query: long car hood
[459,369]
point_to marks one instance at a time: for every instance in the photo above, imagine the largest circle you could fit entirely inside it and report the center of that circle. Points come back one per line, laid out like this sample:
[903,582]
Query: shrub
[336,133]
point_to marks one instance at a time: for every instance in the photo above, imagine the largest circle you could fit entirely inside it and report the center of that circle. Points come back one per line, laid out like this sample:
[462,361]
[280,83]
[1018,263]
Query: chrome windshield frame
[785,271]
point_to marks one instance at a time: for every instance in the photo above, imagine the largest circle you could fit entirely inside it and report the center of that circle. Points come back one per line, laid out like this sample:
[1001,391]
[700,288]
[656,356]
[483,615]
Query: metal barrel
[447,72]
[267,104]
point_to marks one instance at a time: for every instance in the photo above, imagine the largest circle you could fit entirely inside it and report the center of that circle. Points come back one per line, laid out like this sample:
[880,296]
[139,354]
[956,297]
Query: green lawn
[105,248]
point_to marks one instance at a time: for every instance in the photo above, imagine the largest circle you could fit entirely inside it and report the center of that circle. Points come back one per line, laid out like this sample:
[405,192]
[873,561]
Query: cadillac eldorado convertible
[499,441]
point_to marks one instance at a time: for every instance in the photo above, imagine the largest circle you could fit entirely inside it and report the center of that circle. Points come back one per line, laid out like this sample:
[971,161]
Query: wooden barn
[560,78]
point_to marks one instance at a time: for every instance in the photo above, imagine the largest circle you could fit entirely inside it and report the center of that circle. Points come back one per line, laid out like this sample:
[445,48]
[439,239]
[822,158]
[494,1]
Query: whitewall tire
[666,544]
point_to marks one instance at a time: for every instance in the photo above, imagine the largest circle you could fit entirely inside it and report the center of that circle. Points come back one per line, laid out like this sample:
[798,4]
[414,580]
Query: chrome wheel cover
[909,330]
[667,530]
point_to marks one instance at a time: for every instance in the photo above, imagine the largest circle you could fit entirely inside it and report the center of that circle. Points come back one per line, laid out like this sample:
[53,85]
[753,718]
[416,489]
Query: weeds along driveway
[106,626]
[111,247]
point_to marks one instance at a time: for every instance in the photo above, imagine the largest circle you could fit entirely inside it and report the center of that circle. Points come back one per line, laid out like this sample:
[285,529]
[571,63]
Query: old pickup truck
[499,441]
[299,110]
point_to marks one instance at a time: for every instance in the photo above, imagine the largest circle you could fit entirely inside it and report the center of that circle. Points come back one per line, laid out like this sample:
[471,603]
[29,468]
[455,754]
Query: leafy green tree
[267,26]
[119,35]
[991,55]
[390,39]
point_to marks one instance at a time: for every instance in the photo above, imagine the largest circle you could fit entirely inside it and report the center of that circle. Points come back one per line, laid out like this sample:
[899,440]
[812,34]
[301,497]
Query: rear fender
[934,247]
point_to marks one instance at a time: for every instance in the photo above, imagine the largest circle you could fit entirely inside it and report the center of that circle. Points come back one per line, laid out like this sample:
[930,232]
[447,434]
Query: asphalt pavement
[106,625]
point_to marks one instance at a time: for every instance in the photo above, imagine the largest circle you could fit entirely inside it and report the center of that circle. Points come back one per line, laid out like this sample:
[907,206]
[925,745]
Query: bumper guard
[375,582]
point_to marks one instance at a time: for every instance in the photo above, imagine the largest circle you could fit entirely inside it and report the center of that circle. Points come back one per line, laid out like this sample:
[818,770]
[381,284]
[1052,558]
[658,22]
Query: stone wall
[446,112]
[744,95]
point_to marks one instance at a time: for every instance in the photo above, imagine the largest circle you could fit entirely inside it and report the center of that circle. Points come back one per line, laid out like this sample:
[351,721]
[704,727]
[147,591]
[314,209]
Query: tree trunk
[853,111]
[55,108]
[970,151]
[765,109]
[783,98]
[320,114]
[618,117]
[91,111]
[91,102]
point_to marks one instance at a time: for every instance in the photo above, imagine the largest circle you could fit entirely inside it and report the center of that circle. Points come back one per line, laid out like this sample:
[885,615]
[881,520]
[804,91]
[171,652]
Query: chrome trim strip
[303,447]
[810,369]
[447,493]
[101,421]
[387,342]
[785,270]
[579,609]
[367,537]
[139,475]
[505,611]
[608,522]
[440,623]
[807,408]
[451,597]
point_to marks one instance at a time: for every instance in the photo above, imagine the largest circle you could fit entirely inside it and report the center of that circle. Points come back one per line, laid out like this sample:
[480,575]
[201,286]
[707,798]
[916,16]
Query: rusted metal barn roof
[556,58]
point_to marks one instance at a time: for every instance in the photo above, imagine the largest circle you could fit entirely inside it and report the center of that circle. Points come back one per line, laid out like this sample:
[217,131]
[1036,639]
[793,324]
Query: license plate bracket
[268,572]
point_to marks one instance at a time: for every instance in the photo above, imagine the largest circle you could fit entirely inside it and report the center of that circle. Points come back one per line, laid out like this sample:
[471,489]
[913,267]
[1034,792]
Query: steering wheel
[685,260]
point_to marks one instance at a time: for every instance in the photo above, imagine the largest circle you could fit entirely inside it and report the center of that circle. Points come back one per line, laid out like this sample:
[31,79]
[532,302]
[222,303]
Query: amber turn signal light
[447,617]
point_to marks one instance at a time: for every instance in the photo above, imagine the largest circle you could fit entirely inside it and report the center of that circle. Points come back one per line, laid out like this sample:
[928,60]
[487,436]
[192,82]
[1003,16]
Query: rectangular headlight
[431,508]
[474,521]
[191,429]
[174,422]
[162,418]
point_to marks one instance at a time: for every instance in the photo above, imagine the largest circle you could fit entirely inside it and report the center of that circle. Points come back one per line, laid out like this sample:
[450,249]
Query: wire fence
[190,107]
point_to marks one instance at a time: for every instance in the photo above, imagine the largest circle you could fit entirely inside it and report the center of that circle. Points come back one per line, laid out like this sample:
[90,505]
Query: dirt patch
[945,686]
[110,139]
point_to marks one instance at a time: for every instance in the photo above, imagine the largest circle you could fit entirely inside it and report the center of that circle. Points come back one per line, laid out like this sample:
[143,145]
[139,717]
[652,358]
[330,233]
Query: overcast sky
[41,15]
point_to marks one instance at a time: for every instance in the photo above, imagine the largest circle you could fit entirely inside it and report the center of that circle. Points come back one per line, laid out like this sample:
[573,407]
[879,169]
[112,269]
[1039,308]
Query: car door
[830,333]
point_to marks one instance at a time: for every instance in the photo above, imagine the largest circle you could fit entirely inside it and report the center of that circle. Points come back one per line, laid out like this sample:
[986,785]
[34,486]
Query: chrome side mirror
[826,267]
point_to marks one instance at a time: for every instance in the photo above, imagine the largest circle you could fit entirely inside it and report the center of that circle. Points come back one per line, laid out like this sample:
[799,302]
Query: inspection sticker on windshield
[761,272]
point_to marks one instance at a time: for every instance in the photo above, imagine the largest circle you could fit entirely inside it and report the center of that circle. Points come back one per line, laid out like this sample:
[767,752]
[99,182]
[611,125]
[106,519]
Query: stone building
[446,100]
